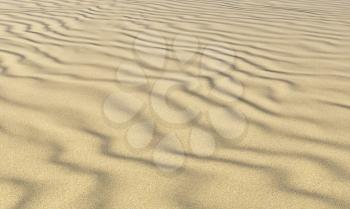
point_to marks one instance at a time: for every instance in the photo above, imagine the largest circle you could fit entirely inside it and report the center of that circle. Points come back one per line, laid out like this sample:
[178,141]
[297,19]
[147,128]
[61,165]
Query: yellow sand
[159,104]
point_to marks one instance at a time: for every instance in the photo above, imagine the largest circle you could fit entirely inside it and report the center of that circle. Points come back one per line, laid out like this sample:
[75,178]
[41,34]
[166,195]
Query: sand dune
[174,104]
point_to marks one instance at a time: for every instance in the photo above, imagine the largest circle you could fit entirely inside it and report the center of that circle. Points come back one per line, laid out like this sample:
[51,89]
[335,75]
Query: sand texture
[174,104]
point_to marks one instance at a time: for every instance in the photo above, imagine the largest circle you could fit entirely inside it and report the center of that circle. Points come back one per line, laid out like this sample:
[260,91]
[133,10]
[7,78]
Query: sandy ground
[159,104]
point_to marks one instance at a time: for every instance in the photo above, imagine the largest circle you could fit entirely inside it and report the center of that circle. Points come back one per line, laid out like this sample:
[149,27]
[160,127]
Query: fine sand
[159,104]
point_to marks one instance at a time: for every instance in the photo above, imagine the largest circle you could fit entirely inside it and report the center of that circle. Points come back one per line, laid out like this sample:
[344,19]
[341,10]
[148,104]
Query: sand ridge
[174,104]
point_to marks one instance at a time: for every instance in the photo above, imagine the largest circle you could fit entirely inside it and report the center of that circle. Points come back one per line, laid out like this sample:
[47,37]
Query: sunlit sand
[117,104]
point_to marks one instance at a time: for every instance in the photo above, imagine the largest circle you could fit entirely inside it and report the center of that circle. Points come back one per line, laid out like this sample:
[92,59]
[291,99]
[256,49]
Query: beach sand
[158,104]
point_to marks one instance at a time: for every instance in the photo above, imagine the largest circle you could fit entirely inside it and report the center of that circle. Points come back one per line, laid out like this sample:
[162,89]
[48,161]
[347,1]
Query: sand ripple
[174,104]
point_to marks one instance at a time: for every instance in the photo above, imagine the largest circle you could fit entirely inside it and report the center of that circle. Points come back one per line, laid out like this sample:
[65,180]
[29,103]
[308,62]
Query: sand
[157,104]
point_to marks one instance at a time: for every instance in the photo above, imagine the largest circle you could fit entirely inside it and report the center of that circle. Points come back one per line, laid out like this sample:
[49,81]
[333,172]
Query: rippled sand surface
[159,104]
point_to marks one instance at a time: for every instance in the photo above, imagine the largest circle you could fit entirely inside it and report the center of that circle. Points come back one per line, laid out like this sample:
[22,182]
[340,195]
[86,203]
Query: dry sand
[159,104]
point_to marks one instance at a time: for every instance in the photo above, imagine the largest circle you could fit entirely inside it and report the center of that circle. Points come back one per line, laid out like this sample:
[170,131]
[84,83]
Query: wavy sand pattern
[174,104]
